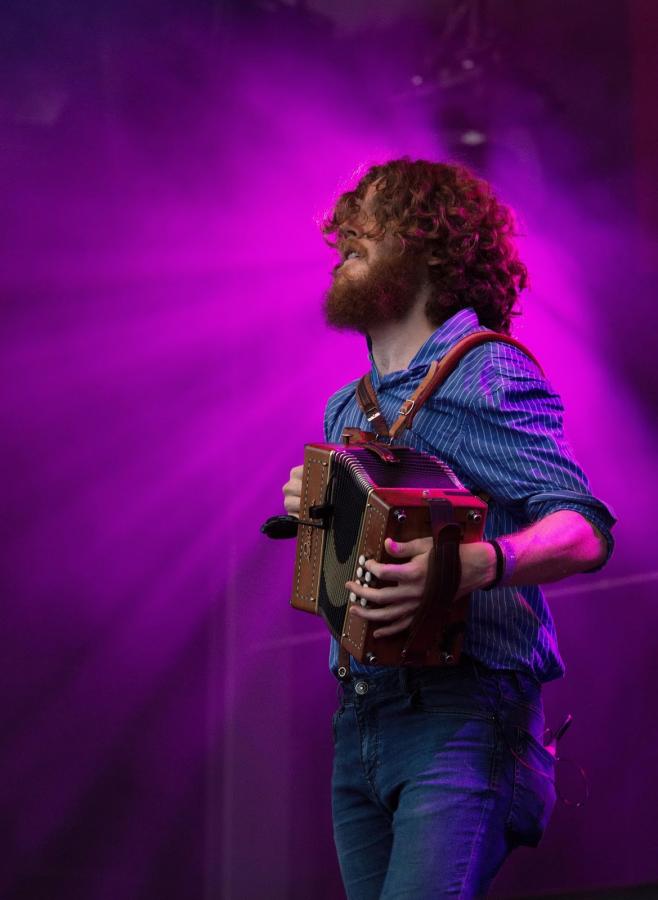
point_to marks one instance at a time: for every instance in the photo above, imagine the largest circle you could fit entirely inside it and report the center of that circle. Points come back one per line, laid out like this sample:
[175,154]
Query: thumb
[405,549]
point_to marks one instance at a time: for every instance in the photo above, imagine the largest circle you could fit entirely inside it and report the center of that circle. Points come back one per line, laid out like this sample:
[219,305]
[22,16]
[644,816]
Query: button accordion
[355,496]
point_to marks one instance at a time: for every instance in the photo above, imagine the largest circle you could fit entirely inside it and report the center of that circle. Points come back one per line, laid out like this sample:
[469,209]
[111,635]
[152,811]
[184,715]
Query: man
[439,773]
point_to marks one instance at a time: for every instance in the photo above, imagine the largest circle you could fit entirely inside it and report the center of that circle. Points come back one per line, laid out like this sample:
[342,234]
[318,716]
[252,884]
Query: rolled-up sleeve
[516,450]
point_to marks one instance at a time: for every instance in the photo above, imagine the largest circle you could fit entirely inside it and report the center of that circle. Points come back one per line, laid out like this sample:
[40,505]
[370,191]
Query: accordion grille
[349,500]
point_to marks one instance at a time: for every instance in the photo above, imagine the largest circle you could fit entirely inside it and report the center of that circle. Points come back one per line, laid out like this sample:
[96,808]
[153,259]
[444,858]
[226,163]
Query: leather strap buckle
[437,374]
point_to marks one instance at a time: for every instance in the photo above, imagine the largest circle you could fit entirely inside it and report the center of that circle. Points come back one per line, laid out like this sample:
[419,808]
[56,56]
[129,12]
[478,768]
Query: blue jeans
[438,775]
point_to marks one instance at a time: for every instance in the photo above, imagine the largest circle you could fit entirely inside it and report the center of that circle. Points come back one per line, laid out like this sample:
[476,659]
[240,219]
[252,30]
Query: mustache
[346,246]
[351,245]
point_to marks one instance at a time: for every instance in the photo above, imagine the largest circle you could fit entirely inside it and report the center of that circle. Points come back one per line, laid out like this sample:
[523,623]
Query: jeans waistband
[513,697]
[394,678]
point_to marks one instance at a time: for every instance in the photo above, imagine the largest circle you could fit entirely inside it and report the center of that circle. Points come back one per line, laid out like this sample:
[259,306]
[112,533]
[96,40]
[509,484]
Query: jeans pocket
[455,693]
[533,794]
[432,703]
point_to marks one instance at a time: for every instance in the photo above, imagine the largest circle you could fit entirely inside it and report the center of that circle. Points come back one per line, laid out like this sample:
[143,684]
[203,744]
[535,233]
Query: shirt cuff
[596,512]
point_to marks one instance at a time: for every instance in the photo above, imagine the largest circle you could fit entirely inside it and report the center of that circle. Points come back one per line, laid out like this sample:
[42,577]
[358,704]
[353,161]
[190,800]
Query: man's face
[377,280]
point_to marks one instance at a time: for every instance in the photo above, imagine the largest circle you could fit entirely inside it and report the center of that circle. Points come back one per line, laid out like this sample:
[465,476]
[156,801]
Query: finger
[291,505]
[408,548]
[292,491]
[385,613]
[403,574]
[384,595]
[395,628]
[292,487]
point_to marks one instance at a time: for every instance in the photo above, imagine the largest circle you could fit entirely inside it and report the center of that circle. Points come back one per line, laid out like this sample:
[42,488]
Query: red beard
[386,293]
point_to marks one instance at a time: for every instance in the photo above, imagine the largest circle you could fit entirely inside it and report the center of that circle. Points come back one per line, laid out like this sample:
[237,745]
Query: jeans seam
[375,769]
[497,760]
[367,773]
[494,771]
[476,837]
[514,794]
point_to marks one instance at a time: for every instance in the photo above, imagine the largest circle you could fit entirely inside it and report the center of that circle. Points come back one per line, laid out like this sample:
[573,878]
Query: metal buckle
[373,416]
[409,404]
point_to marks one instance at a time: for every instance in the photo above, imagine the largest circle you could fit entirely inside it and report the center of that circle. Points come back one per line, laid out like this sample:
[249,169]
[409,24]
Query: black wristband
[500,566]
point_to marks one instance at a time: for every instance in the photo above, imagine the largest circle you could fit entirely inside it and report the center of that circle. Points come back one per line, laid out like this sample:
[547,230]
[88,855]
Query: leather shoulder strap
[367,400]
[456,353]
[439,371]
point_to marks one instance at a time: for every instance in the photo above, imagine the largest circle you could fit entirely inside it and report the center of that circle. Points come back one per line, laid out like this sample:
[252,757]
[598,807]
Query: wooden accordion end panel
[355,499]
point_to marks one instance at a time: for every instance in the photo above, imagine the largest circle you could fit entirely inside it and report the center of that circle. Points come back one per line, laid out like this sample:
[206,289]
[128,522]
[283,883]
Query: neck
[395,344]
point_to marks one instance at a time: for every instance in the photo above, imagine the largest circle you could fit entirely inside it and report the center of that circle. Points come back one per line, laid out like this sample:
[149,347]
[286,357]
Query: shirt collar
[437,345]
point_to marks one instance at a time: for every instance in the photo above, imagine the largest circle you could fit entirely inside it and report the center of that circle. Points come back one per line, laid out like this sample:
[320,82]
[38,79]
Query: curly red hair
[444,209]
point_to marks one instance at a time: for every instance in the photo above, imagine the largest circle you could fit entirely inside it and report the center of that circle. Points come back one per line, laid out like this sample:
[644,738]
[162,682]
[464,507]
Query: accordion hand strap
[437,373]
[443,576]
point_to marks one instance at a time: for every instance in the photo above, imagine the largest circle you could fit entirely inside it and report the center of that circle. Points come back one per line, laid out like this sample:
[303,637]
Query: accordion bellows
[356,499]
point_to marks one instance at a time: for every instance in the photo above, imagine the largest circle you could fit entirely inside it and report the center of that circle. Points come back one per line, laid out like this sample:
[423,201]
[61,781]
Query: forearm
[559,545]
[562,544]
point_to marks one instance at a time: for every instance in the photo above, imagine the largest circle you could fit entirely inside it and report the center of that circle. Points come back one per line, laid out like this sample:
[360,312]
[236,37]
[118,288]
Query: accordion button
[363,601]
[362,560]
[359,572]
[352,597]
[368,577]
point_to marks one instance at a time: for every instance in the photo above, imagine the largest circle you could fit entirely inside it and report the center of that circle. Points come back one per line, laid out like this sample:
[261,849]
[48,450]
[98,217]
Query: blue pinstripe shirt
[498,423]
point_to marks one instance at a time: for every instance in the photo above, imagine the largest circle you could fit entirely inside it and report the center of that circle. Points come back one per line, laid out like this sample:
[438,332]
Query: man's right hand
[292,491]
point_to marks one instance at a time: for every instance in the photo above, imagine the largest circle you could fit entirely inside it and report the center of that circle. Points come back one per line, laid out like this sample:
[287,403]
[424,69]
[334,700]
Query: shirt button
[361,687]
